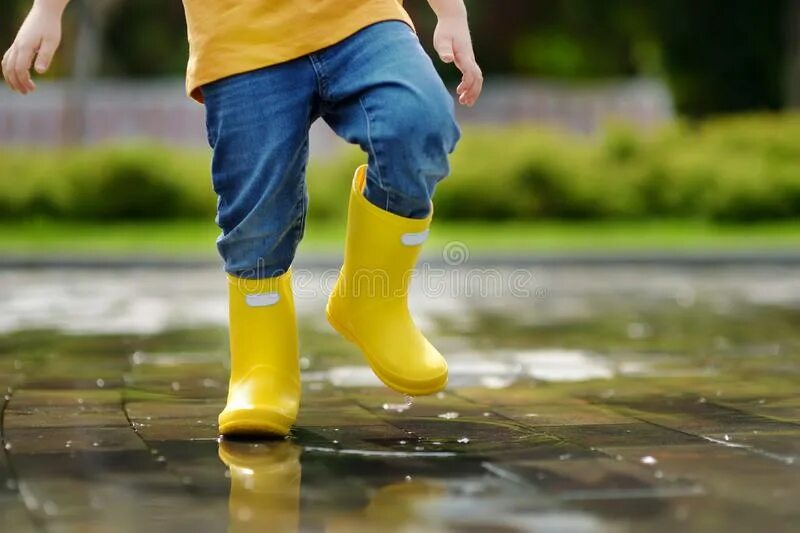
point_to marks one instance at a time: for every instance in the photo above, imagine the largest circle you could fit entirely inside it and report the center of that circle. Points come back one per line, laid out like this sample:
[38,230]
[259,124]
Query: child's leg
[258,127]
[380,90]
[384,94]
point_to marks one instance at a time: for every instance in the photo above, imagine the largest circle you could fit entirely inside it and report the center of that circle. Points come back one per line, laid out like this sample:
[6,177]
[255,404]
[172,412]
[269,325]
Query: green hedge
[733,169]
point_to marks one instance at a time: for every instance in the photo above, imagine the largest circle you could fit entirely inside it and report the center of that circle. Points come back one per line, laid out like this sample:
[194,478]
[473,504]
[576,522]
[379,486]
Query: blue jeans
[377,89]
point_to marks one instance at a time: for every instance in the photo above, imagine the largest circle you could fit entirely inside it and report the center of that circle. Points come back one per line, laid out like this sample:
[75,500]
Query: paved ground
[582,399]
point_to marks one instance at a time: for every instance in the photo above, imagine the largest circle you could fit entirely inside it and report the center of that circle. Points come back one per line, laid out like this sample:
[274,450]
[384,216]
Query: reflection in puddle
[265,486]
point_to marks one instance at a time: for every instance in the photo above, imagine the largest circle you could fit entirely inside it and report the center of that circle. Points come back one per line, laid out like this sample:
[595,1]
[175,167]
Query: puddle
[625,399]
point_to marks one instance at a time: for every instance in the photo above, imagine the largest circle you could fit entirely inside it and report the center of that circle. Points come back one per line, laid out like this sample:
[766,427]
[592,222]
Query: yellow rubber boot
[264,390]
[265,486]
[369,305]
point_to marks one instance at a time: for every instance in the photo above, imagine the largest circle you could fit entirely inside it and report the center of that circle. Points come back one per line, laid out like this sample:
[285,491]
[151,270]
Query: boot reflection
[265,486]
[392,508]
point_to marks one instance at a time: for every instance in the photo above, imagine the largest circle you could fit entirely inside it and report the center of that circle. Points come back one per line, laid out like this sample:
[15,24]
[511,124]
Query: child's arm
[39,37]
[454,44]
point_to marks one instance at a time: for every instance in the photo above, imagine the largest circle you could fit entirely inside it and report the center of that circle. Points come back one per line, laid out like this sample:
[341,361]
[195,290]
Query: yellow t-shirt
[228,37]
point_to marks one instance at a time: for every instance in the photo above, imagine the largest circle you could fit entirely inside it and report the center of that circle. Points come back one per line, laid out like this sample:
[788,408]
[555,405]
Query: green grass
[191,238]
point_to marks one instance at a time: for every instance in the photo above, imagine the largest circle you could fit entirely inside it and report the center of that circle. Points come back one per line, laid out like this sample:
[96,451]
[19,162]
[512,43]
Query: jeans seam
[317,67]
[371,143]
[304,203]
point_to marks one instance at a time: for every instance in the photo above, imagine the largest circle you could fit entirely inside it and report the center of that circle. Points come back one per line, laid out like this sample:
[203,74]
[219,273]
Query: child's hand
[38,37]
[454,44]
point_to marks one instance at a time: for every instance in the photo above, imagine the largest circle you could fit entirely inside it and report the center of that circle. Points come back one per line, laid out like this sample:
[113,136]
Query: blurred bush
[730,169]
[104,183]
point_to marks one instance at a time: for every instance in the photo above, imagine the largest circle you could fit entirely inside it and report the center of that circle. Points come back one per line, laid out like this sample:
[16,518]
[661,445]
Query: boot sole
[411,391]
[255,426]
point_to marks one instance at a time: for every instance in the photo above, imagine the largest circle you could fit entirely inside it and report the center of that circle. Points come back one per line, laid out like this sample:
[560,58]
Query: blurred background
[616,126]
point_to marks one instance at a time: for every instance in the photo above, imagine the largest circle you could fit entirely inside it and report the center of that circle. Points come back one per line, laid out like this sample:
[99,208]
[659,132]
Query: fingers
[10,75]
[45,55]
[16,67]
[22,67]
[472,81]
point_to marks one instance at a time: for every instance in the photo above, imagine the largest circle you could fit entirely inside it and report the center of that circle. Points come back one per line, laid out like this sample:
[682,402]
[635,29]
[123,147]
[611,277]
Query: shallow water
[581,399]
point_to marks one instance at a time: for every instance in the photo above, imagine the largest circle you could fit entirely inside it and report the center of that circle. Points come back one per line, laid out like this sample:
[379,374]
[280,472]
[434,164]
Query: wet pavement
[581,399]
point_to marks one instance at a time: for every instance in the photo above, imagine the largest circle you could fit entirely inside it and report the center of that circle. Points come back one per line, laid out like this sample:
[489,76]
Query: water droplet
[402,442]
[440,395]
[336,442]
[463,440]
[419,448]
[399,407]
[727,437]
[649,460]
[408,478]
[161,459]
[305,362]
[95,444]
[701,400]
[564,456]
[101,382]
[437,443]
[176,386]
[487,414]
[8,446]
[448,415]
[658,474]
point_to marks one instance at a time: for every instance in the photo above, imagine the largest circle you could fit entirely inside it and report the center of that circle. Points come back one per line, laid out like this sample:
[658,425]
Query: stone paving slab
[616,404]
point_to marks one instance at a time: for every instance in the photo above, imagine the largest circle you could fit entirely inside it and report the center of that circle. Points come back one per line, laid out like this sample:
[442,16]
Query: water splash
[400,407]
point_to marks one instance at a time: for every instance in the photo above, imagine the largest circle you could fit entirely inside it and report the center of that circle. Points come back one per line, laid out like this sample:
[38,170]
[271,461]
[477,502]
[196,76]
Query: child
[266,70]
